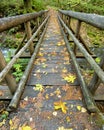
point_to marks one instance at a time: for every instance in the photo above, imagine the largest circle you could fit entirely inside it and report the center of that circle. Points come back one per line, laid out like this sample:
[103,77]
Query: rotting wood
[90,103]
[88,57]
[11,82]
[15,100]
[13,60]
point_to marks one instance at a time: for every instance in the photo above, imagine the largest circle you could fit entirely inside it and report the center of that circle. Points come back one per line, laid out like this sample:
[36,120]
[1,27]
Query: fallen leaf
[44,65]
[1,93]
[79,108]
[10,122]
[23,104]
[47,96]
[42,59]
[62,128]
[54,113]
[59,44]
[40,54]
[65,88]
[61,105]
[38,87]
[2,123]
[64,70]
[72,105]
[12,126]
[57,92]
[68,119]
[26,128]
[26,98]
[83,110]
[70,78]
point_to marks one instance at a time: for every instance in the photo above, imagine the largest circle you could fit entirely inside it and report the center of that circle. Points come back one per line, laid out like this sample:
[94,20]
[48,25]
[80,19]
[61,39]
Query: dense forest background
[15,7]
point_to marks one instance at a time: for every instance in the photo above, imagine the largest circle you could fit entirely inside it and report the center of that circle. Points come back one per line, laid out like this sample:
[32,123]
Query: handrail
[87,93]
[13,60]
[91,61]
[92,19]
[7,23]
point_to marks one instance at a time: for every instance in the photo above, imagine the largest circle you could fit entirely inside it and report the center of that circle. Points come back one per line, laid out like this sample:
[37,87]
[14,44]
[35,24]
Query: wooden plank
[99,97]
[48,79]
[5,93]
[53,68]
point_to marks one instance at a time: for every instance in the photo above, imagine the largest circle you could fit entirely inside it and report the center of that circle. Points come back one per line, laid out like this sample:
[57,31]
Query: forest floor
[57,106]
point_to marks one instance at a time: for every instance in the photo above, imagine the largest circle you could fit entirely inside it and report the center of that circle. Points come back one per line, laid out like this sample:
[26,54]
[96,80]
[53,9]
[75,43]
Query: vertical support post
[94,84]
[27,5]
[38,23]
[69,21]
[11,82]
[29,34]
[68,24]
[77,34]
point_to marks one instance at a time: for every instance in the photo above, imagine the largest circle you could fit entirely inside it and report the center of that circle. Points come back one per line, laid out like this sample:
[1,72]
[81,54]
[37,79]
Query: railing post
[69,21]
[38,23]
[77,34]
[11,82]
[27,5]
[94,84]
[29,34]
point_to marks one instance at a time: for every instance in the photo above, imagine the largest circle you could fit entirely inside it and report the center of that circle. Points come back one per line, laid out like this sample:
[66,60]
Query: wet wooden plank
[5,93]
[53,68]
[48,79]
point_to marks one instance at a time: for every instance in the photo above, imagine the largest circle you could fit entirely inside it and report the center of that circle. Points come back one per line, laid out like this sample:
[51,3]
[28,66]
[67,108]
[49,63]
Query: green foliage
[19,68]
[88,6]
[16,7]
[11,7]
[18,35]
[38,5]
[96,39]
[98,59]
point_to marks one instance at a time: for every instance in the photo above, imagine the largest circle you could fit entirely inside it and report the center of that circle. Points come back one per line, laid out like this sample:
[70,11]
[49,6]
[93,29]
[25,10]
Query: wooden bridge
[52,93]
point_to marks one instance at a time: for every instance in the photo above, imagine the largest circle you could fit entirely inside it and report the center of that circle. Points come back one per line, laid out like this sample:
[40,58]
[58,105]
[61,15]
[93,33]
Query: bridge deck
[52,66]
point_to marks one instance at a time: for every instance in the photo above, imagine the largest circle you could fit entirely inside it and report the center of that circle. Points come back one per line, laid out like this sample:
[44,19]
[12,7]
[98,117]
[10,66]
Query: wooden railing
[41,19]
[88,90]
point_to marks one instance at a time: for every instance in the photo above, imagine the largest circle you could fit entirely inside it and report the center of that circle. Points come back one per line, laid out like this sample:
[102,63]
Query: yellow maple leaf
[38,87]
[62,128]
[70,78]
[61,105]
[64,70]
[40,54]
[10,122]
[26,128]
[2,123]
[79,108]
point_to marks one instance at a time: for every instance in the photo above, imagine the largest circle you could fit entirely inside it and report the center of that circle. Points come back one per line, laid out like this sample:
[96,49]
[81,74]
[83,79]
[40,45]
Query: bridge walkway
[52,85]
